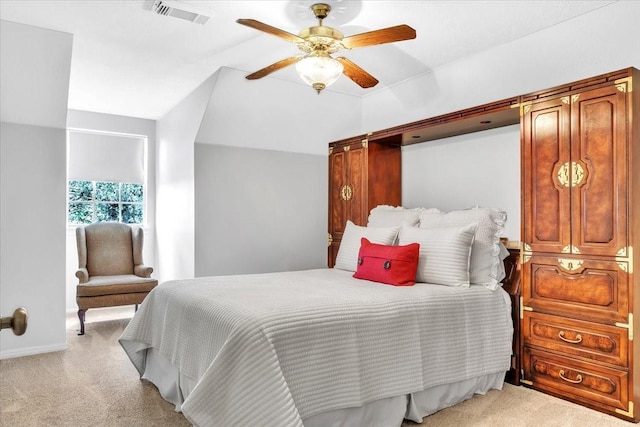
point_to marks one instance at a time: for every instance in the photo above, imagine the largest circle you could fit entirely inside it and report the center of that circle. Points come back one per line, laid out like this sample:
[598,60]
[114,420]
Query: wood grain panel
[546,212]
[586,340]
[599,145]
[593,385]
[598,290]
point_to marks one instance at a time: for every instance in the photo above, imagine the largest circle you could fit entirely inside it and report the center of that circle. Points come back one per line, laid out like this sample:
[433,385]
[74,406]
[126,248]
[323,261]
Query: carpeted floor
[94,383]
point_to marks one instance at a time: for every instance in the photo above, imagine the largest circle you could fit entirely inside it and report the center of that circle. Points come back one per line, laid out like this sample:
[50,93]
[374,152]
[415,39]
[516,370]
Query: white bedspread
[274,349]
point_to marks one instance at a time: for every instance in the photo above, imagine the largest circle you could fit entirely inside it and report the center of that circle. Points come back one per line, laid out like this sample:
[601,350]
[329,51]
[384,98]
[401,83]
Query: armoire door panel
[546,152]
[358,211]
[337,206]
[599,147]
[594,289]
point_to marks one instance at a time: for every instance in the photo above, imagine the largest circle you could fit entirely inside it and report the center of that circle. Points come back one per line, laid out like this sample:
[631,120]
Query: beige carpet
[94,383]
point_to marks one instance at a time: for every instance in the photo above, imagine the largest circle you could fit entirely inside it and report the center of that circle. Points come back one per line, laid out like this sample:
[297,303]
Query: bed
[318,347]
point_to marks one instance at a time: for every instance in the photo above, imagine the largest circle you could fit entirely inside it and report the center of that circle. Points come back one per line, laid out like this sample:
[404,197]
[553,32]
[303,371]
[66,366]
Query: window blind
[105,157]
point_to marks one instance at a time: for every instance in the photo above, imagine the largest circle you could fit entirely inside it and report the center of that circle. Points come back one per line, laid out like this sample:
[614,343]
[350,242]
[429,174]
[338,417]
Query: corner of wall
[175,138]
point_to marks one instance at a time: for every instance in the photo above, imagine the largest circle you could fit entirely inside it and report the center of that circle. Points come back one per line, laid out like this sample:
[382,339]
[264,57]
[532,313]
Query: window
[106,177]
[96,201]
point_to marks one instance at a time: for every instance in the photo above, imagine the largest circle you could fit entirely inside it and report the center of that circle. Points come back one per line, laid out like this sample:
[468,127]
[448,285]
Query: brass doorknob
[17,322]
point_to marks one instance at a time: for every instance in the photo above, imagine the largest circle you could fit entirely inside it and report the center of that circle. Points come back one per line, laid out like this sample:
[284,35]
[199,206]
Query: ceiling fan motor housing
[320,38]
[321,10]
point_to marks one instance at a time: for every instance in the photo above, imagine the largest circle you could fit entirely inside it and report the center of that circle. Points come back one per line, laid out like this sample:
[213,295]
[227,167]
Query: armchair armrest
[141,270]
[83,275]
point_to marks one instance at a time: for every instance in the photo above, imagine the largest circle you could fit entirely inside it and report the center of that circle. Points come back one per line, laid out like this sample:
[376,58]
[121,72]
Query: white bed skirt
[175,388]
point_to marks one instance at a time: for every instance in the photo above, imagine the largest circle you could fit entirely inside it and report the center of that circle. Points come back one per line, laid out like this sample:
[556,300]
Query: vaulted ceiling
[130,61]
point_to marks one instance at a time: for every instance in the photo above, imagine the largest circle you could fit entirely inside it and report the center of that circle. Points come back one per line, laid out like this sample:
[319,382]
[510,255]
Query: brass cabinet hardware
[578,339]
[577,174]
[563,175]
[624,258]
[570,100]
[525,252]
[17,322]
[570,264]
[578,379]
[625,84]
[628,326]
[628,413]
[523,308]
[347,147]
[346,192]
[524,107]
[329,239]
[570,249]
[576,177]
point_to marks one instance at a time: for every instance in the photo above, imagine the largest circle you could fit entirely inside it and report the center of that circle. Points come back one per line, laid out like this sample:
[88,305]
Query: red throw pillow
[393,265]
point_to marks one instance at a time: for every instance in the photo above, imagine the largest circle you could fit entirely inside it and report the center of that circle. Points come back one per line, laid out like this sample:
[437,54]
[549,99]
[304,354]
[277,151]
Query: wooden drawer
[586,383]
[581,288]
[587,340]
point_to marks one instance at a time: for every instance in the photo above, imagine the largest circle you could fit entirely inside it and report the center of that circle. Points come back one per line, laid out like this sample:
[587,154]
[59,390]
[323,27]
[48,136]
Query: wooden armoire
[364,172]
[580,223]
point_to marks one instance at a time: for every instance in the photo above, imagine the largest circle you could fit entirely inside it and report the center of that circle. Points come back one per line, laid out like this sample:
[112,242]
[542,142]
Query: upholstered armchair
[110,267]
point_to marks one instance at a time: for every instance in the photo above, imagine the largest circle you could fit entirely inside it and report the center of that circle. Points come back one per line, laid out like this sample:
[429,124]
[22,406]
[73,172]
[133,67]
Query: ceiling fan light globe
[319,71]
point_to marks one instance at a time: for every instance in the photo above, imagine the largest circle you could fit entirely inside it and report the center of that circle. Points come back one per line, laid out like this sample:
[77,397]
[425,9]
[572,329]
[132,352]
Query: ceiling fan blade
[274,67]
[261,26]
[357,74]
[385,35]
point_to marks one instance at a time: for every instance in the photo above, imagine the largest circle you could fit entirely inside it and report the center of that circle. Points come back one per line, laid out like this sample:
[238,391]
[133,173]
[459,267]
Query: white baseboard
[30,351]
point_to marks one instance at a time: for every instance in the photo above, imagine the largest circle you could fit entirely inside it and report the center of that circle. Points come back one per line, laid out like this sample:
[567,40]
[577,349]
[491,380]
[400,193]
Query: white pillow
[395,216]
[445,253]
[347,258]
[486,266]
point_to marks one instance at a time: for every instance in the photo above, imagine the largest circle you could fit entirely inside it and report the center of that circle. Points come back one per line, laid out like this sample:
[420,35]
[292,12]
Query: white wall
[259,210]
[481,169]
[175,136]
[261,174]
[32,224]
[34,77]
[119,125]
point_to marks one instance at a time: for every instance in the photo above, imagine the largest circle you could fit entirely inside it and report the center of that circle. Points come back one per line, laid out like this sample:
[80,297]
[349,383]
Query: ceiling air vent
[179,10]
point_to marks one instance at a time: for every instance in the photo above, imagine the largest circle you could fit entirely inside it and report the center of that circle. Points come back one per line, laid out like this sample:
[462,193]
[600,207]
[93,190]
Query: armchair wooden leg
[81,313]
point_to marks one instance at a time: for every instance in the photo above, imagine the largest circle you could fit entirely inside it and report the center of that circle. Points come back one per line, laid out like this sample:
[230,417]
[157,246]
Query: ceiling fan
[316,66]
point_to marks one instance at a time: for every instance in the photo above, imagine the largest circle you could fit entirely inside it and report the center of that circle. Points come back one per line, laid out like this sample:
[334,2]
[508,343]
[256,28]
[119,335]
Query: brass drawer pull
[578,339]
[578,379]
[570,264]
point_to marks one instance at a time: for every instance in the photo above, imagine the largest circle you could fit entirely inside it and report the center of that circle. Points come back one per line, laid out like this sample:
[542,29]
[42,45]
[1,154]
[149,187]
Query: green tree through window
[96,201]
